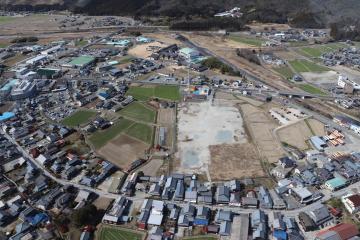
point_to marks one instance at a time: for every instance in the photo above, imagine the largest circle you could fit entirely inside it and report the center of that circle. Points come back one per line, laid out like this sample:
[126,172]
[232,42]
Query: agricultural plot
[167,92]
[286,72]
[162,91]
[307,66]
[112,233]
[78,118]
[123,150]
[257,42]
[4,19]
[141,131]
[319,50]
[139,111]
[100,138]
[311,89]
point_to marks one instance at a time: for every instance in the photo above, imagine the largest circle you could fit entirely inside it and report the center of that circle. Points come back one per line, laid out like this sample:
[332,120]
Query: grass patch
[5,19]
[141,93]
[318,50]
[298,43]
[4,45]
[141,131]
[311,89]
[81,43]
[167,92]
[160,91]
[112,233]
[139,111]
[257,42]
[285,71]
[307,66]
[78,118]
[100,138]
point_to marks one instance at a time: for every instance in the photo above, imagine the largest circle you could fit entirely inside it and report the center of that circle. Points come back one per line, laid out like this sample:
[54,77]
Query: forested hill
[307,13]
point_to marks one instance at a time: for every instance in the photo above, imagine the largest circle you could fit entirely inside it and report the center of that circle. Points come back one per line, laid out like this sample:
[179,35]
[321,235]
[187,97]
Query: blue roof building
[318,143]
[6,116]
[335,183]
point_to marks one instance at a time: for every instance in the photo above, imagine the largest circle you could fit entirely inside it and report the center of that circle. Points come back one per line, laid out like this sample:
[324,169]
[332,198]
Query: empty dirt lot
[141,50]
[151,168]
[260,127]
[123,150]
[234,161]
[298,133]
[202,125]
[166,116]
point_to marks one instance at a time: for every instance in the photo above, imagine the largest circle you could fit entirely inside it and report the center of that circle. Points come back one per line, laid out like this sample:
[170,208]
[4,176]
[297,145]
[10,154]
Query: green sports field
[165,92]
[78,118]
[110,233]
[307,66]
[139,111]
[285,71]
[100,138]
[311,89]
[141,131]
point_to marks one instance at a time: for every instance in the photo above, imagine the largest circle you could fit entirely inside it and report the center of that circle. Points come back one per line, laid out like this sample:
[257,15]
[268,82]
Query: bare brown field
[225,96]
[163,37]
[102,202]
[234,161]
[295,135]
[166,116]
[317,126]
[123,150]
[260,26]
[260,127]
[140,50]
[298,133]
[152,167]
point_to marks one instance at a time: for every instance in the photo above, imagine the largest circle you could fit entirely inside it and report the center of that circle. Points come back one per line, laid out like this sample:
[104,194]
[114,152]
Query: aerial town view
[177,119]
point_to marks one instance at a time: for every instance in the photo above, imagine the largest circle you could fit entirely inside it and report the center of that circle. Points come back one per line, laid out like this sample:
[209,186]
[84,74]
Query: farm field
[4,19]
[260,127]
[317,51]
[100,138]
[286,72]
[307,66]
[311,89]
[113,233]
[123,150]
[227,162]
[78,118]
[257,42]
[139,111]
[161,91]
[141,131]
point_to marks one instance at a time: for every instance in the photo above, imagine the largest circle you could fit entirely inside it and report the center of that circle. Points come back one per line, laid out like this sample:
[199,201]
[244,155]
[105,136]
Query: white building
[343,80]
[351,202]
[37,60]
[118,213]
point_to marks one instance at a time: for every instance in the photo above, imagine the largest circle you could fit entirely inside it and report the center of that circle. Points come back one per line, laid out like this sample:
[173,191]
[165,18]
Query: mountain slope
[306,11]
